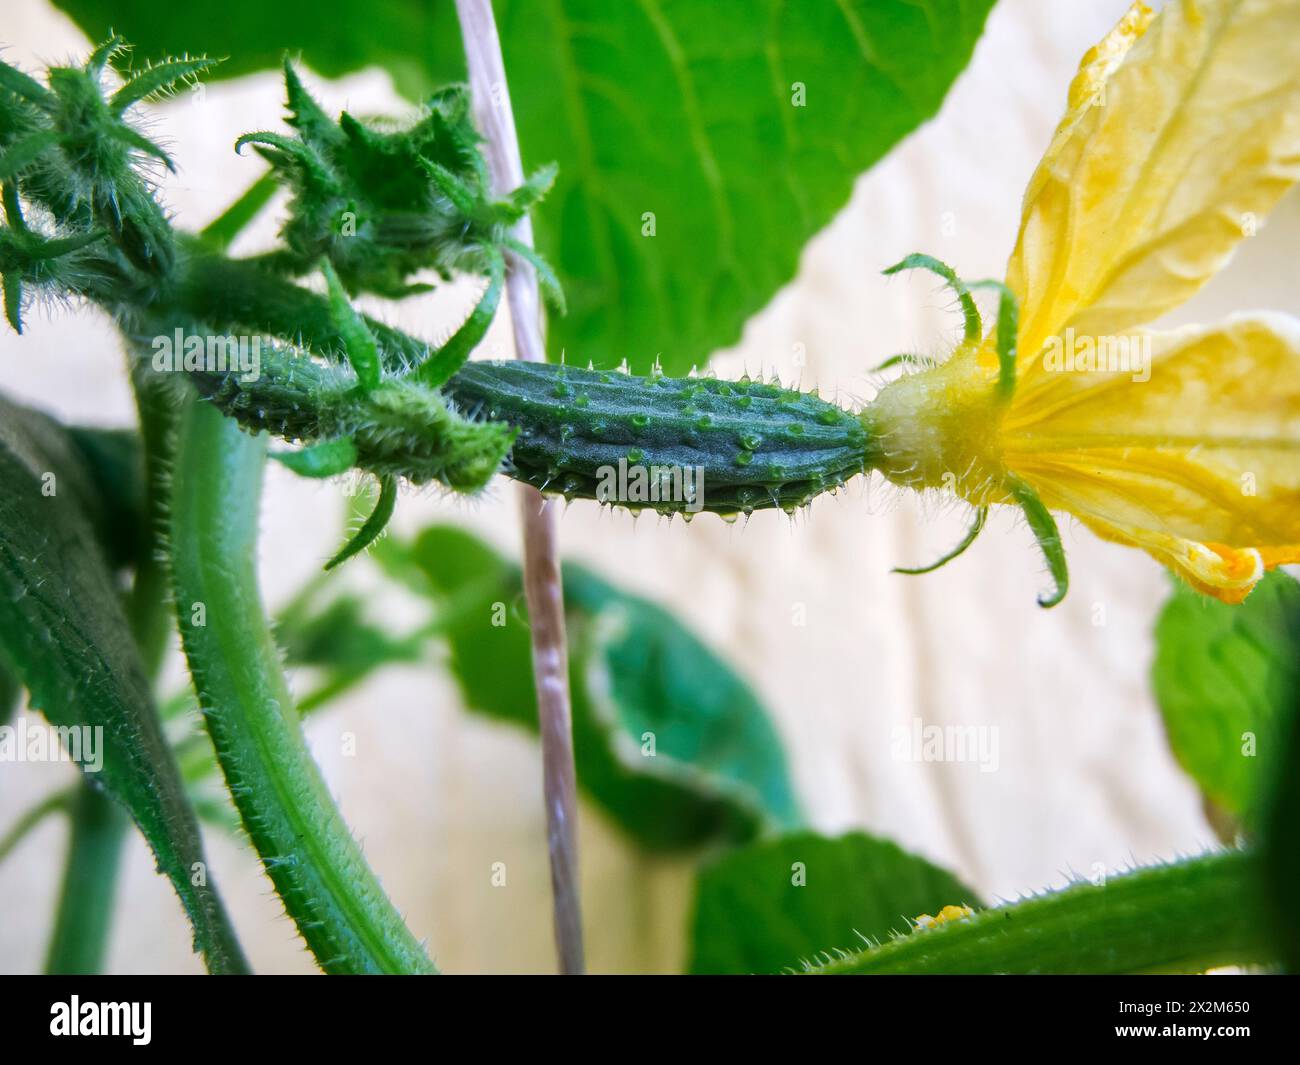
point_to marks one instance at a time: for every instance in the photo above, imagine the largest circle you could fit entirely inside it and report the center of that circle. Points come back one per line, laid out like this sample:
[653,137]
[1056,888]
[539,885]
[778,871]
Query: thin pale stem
[542,586]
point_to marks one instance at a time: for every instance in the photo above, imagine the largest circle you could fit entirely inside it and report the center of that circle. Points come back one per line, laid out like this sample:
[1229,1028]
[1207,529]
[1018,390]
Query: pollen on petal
[946,915]
[1227,573]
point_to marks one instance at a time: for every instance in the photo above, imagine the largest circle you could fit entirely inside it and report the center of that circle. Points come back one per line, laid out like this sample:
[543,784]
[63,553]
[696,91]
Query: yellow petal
[1182,133]
[1227,573]
[1193,456]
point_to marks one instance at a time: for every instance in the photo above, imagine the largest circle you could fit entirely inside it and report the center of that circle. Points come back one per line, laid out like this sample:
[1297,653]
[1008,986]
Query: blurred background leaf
[1224,678]
[10,693]
[768,907]
[331,632]
[669,740]
[700,145]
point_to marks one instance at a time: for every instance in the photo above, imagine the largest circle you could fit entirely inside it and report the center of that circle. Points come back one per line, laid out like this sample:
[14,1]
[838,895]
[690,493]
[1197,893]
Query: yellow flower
[1183,130]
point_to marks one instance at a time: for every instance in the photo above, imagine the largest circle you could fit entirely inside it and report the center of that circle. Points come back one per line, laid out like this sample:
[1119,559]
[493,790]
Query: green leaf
[64,634]
[686,111]
[668,739]
[1224,677]
[1187,917]
[773,905]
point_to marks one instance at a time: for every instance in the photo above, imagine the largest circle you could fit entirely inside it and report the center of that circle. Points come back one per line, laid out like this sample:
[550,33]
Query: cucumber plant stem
[542,585]
[85,914]
[317,867]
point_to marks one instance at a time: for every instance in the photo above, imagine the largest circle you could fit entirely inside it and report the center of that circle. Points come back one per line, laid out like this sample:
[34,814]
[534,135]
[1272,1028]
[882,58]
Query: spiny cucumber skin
[760,446]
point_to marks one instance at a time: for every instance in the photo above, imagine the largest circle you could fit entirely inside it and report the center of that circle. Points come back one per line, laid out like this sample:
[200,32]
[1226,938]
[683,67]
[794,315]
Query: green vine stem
[1185,918]
[317,867]
[85,914]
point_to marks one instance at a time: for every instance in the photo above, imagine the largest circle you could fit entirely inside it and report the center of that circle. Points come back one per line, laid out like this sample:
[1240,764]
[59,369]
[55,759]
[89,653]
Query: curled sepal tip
[981,515]
[1048,536]
[374,525]
[969,312]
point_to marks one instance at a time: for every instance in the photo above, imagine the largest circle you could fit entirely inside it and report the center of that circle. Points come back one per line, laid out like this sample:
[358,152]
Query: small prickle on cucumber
[748,444]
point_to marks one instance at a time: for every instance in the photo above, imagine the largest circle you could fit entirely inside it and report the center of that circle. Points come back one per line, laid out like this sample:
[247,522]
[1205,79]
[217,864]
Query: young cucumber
[747,444]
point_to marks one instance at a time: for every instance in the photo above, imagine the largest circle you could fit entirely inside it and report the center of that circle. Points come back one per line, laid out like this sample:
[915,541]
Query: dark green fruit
[755,445]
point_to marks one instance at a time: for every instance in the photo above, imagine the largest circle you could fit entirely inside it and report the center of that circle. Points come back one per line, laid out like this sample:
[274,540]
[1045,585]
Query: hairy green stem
[84,918]
[305,845]
[1188,917]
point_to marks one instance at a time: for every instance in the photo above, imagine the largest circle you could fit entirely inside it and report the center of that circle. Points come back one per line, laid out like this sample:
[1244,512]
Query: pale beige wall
[1085,779]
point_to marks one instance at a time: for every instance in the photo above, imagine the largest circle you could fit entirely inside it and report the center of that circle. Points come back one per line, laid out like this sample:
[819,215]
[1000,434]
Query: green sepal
[374,525]
[160,77]
[20,84]
[552,291]
[105,53]
[1048,536]
[358,342]
[281,151]
[13,207]
[439,367]
[970,313]
[25,152]
[141,143]
[305,114]
[981,515]
[13,287]
[35,248]
[532,191]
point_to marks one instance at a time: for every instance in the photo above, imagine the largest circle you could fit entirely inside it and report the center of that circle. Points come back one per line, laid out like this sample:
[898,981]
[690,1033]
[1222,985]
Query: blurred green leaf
[333,634]
[64,634]
[700,145]
[10,694]
[406,37]
[1224,677]
[773,905]
[668,739]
